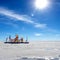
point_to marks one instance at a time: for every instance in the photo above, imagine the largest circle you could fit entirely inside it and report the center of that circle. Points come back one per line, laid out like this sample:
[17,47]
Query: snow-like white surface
[33,49]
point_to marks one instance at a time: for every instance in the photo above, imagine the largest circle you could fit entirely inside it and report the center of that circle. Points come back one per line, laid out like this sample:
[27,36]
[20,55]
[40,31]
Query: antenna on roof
[6,39]
[26,39]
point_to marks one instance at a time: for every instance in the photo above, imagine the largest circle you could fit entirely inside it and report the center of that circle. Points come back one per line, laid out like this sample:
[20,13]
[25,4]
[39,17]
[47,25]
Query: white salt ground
[32,50]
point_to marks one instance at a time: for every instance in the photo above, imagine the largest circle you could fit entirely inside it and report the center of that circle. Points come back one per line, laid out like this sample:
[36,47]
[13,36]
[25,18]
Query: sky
[22,17]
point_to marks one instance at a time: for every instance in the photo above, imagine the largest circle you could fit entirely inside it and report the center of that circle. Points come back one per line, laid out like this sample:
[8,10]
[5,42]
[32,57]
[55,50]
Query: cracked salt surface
[33,50]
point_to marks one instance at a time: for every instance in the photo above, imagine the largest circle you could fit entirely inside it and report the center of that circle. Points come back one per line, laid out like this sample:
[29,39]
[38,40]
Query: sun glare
[41,4]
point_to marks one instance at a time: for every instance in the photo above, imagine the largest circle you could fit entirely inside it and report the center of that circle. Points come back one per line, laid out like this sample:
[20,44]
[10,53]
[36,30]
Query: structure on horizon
[16,40]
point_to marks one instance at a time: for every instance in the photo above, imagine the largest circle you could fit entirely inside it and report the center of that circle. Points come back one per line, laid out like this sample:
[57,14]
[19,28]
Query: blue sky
[23,18]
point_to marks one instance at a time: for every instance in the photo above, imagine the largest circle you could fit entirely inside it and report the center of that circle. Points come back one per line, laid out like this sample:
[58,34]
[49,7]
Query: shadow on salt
[27,58]
[52,49]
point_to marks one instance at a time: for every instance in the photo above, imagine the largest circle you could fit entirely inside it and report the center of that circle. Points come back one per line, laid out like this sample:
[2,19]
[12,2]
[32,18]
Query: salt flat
[33,49]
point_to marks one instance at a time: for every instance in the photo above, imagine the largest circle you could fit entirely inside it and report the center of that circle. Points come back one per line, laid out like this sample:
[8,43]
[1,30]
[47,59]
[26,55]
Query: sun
[41,4]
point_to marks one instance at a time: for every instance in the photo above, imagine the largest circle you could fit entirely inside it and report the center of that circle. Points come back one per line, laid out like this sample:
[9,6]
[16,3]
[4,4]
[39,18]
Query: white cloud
[10,24]
[37,25]
[24,18]
[58,35]
[23,29]
[38,34]
[52,30]
[32,15]
[14,15]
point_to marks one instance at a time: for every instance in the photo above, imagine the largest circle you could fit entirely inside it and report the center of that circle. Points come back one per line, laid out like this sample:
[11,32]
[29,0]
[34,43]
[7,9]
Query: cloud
[23,29]
[52,30]
[58,35]
[19,17]
[14,15]
[38,34]
[37,25]
[10,24]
